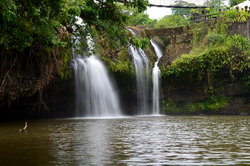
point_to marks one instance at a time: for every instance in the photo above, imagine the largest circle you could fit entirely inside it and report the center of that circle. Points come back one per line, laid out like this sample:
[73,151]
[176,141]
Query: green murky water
[162,140]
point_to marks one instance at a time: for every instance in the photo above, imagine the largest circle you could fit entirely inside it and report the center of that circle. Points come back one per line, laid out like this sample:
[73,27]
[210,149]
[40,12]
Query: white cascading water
[95,93]
[156,79]
[141,64]
[141,68]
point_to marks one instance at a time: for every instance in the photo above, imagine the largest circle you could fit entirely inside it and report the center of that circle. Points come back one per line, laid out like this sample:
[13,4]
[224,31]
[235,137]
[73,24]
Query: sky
[158,13]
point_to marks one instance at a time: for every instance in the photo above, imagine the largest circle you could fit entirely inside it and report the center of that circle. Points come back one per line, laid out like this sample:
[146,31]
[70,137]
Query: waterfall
[156,79]
[141,68]
[156,89]
[95,92]
[141,64]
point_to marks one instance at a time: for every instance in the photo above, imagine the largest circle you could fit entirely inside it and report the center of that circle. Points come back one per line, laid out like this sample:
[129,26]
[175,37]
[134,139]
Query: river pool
[151,140]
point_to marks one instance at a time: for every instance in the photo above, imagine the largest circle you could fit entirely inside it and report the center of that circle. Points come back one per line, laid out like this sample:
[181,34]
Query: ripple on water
[152,140]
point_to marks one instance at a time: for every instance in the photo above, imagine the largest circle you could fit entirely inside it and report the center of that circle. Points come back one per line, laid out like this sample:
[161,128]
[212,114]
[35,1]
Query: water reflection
[170,140]
[83,142]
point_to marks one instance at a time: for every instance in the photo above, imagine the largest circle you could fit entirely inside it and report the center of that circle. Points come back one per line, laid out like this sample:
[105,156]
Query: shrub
[215,39]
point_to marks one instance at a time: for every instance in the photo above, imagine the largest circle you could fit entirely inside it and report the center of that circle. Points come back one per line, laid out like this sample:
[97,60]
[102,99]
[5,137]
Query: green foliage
[202,11]
[211,105]
[138,5]
[141,19]
[239,42]
[122,70]
[217,58]
[172,21]
[217,52]
[42,30]
[24,22]
[109,18]
[215,39]
[63,71]
[233,15]
[199,31]
[27,22]
[240,46]
[139,43]
[182,11]
[231,56]
[217,62]
[186,63]
[121,64]
[235,2]
[210,11]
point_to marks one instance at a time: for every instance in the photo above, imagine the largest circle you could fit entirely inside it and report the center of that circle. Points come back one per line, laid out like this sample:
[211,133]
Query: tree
[216,5]
[171,21]
[109,18]
[235,2]
[141,19]
[182,11]
[23,22]
[30,22]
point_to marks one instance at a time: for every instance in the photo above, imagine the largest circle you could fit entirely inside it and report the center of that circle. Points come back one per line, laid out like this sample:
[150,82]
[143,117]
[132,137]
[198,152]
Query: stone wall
[241,28]
[151,32]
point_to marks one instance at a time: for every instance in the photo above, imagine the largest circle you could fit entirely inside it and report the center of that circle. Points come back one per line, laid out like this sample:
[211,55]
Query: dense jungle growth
[204,71]
[217,66]
[35,41]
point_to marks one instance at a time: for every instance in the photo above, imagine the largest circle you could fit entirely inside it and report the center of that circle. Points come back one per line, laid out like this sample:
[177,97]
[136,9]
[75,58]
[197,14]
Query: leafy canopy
[38,22]
[141,19]
[23,22]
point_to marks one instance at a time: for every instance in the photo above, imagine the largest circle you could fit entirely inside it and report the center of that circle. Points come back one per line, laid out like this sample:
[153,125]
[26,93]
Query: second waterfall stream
[156,73]
[141,64]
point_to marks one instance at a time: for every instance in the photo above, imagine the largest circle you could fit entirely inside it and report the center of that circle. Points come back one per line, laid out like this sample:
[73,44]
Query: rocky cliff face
[24,76]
